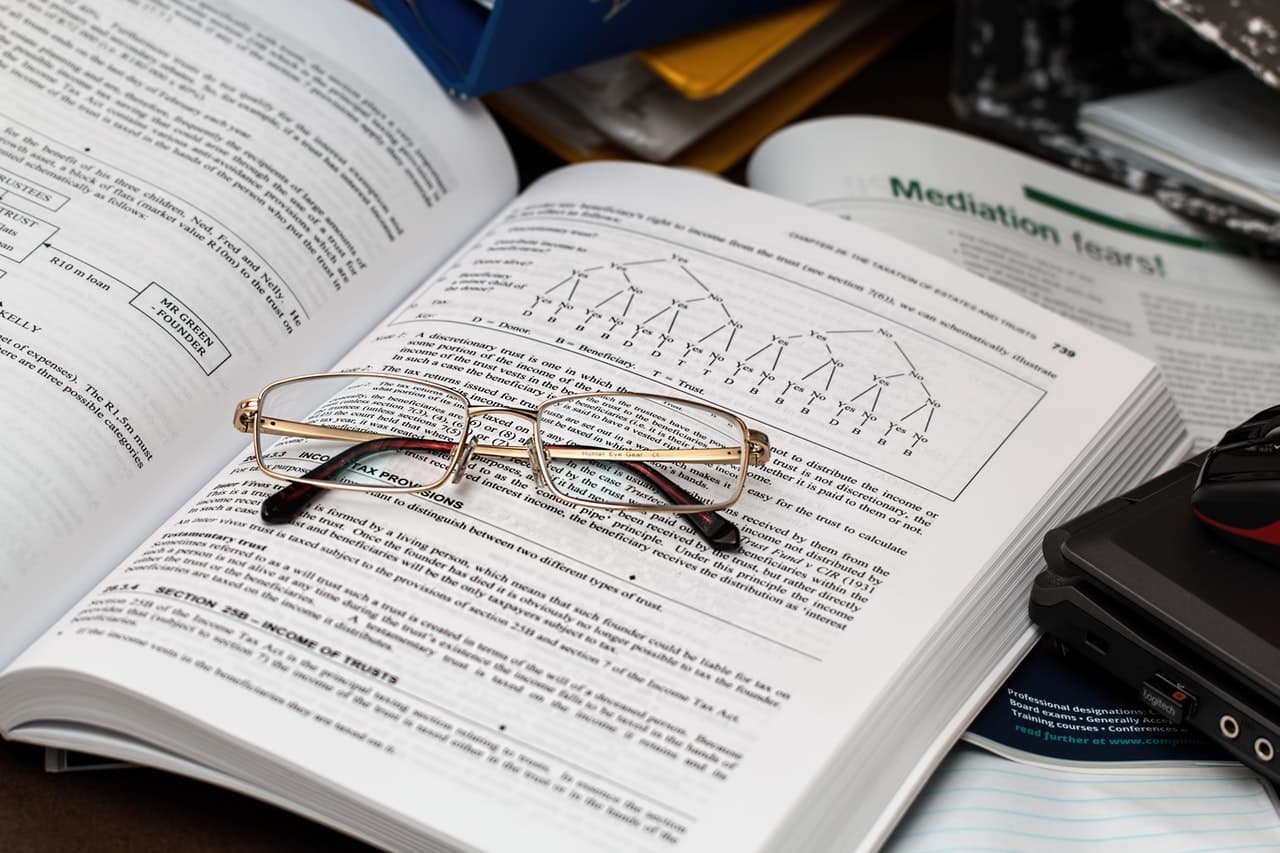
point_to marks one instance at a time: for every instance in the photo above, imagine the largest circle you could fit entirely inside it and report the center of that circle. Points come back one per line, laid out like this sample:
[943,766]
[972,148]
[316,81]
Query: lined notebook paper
[978,801]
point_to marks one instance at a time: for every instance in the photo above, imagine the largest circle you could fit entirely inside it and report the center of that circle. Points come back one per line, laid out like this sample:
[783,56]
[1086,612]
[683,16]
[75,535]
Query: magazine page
[1111,260]
[176,224]
[1058,711]
[426,658]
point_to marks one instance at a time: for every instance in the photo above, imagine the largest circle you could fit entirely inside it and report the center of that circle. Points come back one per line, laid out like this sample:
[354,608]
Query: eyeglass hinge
[539,481]
[246,413]
[757,447]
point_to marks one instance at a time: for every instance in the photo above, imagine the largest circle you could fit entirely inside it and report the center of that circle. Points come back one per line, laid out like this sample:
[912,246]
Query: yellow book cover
[709,64]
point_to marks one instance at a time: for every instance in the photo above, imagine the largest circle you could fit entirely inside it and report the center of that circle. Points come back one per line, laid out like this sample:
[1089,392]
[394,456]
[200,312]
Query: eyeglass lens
[637,424]
[434,420]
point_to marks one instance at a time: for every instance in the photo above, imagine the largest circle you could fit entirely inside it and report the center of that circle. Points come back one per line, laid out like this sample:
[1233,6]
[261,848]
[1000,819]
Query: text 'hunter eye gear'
[383,432]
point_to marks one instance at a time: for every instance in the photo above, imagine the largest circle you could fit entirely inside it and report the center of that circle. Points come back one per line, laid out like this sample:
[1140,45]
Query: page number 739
[1065,350]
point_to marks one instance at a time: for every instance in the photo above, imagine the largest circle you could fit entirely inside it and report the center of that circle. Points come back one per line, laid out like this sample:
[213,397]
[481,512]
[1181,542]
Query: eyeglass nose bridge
[529,415]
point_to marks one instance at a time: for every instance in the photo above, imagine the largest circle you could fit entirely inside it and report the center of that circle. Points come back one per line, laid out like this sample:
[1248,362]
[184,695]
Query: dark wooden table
[143,810]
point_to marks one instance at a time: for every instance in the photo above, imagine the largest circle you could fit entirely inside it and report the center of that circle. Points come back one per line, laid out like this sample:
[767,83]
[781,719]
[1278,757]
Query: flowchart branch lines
[21,233]
[12,184]
[183,325]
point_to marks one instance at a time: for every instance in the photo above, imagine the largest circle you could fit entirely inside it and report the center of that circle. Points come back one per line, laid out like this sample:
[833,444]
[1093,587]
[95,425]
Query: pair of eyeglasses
[384,432]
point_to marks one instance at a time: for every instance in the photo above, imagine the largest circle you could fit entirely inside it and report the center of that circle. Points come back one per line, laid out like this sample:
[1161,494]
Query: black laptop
[1141,588]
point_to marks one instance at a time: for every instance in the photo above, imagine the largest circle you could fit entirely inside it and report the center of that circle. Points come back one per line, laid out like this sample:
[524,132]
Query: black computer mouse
[1237,494]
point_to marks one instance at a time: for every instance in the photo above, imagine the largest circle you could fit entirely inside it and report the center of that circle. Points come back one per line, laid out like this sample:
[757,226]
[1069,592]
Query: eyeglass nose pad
[538,479]
[467,450]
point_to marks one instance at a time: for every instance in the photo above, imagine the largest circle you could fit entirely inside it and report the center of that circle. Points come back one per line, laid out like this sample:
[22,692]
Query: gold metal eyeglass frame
[754,446]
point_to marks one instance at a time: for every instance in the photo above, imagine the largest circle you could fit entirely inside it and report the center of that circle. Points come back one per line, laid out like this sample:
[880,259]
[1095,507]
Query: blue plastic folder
[473,50]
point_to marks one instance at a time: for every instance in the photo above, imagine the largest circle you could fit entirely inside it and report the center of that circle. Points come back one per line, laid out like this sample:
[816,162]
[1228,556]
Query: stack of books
[1217,134]
[706,101]
[698,88]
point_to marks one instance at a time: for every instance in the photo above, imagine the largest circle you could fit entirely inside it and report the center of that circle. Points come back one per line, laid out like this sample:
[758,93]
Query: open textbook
[1111,260]
[481,666]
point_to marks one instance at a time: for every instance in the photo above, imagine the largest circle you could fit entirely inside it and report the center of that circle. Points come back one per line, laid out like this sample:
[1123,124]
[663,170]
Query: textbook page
[426,659]
[1111,260]
[190,200]
[979,801]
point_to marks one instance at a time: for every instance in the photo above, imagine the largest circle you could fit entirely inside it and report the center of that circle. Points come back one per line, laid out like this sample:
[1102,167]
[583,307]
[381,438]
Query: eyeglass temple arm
[286,504]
